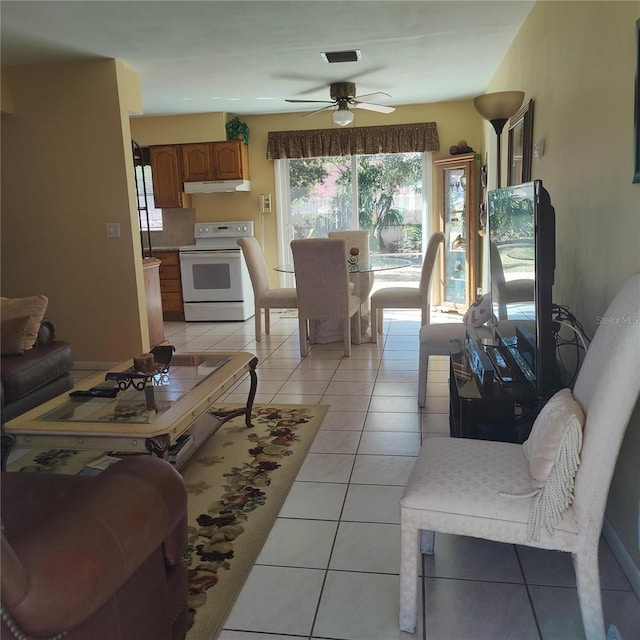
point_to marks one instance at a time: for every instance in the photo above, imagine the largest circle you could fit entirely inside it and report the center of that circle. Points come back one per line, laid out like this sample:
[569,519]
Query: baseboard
[621,554]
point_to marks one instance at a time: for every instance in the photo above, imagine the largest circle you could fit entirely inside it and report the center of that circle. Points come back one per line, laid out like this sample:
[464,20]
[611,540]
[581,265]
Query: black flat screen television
[522,261]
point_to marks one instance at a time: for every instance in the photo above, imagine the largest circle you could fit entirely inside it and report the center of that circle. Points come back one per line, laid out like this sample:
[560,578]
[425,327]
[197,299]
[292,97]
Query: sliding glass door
[383,194]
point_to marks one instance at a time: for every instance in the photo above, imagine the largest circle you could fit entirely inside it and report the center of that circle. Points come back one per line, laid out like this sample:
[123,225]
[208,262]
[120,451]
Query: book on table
[177,451]
[181,447]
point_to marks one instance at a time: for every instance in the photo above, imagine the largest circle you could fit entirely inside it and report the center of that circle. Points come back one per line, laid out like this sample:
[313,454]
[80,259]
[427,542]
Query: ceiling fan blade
[311,113]
[315,101]
[372,107]
[372,97]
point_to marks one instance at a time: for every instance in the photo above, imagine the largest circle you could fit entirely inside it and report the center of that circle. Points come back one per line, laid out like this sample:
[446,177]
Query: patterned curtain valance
[312,143]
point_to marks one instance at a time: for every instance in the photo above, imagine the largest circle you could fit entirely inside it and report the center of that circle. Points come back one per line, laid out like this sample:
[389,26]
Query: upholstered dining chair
[322,284]
[407,297]
[532,494]
[265,297]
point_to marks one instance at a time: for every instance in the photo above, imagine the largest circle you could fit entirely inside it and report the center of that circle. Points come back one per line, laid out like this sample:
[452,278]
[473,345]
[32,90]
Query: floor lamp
[497,108]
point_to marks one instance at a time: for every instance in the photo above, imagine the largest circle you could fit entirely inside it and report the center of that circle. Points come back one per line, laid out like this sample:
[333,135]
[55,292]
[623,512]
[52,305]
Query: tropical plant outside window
[385,198]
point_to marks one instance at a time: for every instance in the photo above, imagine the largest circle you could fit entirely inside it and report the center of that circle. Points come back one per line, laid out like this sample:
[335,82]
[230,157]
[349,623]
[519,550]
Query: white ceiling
[246,57]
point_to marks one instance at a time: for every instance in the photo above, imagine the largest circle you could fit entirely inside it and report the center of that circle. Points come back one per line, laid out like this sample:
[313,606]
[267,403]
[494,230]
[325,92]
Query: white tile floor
[329,568]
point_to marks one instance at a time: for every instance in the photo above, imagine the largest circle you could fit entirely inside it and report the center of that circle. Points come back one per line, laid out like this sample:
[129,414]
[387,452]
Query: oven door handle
[192,255]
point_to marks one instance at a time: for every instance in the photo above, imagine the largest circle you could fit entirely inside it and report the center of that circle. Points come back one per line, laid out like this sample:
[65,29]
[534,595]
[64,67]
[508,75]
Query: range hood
[217,186]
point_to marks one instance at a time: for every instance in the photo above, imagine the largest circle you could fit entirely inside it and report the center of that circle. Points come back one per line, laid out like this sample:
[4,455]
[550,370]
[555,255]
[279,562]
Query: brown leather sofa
[37,375]
[95,558]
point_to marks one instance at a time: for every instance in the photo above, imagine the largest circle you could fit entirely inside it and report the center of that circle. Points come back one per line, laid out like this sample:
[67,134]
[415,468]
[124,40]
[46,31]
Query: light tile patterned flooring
[329,568]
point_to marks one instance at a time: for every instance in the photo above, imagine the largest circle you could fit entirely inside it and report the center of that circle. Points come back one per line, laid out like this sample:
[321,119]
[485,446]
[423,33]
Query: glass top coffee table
[145,415]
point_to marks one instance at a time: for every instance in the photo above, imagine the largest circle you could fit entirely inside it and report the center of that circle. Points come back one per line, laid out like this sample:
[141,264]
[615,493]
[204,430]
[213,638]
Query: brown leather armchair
[97,558]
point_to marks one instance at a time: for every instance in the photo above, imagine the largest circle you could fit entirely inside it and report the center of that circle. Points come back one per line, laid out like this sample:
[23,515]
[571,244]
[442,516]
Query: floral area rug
[236,484]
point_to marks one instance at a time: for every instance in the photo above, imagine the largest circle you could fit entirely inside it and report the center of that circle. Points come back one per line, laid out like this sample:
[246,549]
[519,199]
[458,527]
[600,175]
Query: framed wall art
[520,145]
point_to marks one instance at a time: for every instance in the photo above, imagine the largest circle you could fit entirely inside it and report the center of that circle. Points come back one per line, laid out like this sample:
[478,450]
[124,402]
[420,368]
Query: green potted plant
[237,130]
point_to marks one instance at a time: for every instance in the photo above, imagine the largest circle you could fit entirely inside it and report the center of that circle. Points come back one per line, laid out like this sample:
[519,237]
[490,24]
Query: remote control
[96,392]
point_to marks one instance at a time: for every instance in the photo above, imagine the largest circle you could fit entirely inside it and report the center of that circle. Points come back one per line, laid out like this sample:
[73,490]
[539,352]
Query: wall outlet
[113,229]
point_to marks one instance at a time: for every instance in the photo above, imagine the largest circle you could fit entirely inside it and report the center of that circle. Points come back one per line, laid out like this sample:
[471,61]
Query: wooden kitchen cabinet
[170,285]
[197,162]
[172,165]
[230,160]
[458,205]
[166,169]
[205,161]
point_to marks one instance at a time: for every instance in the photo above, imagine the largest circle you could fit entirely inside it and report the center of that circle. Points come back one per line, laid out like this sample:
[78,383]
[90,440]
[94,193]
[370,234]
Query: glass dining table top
[375,263]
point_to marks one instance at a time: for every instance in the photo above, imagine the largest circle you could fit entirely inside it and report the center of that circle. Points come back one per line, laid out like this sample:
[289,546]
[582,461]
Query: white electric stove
[215,279]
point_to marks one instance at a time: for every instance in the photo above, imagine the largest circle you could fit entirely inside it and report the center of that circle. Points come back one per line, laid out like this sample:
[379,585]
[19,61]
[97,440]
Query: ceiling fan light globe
[342,116]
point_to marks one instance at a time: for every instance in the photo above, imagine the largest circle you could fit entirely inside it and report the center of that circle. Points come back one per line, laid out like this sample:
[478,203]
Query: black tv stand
[491,389]
[476,411]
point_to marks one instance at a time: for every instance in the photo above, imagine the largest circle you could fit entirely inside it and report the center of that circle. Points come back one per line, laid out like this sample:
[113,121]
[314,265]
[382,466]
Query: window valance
[312,143]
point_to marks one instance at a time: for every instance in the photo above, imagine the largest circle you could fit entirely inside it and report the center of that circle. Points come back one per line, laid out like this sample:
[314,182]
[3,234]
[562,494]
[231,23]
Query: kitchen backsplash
[177,229]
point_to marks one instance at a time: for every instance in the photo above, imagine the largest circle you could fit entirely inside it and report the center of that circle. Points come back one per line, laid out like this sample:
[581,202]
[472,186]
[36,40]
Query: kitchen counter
[154,249]
[151,268]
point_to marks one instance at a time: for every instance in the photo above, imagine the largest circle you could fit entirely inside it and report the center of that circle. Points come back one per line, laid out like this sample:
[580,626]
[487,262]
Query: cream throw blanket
[556,495]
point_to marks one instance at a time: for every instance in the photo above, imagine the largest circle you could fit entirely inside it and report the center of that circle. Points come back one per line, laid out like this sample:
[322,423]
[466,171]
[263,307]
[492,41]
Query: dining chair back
[483,489]
[322,285]
[265,297]
[407,297]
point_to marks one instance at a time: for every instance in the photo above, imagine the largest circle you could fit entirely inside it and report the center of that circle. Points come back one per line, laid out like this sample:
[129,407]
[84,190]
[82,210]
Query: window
[146,205]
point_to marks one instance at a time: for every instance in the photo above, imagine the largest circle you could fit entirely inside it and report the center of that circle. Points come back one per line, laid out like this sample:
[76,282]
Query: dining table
[361,274]
[375,263]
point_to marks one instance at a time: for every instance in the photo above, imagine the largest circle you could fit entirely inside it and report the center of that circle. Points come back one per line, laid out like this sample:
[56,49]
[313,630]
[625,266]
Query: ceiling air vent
[341,56]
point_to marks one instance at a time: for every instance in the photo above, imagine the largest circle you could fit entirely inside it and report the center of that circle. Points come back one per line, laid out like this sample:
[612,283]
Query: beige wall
[66,171]
[576,61]
[199,127]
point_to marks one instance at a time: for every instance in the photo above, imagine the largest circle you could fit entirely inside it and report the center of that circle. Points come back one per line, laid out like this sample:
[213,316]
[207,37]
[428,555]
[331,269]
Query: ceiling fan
[343,96]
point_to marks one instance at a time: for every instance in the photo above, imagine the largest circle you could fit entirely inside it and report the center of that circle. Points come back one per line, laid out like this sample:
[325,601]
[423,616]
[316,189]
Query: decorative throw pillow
[560,413]
[33,307]
[13,334]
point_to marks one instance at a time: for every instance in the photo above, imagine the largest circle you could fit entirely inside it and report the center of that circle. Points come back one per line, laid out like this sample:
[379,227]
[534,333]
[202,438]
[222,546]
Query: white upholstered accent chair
[322,284]
[407,297]
[456,484]
[265,297]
